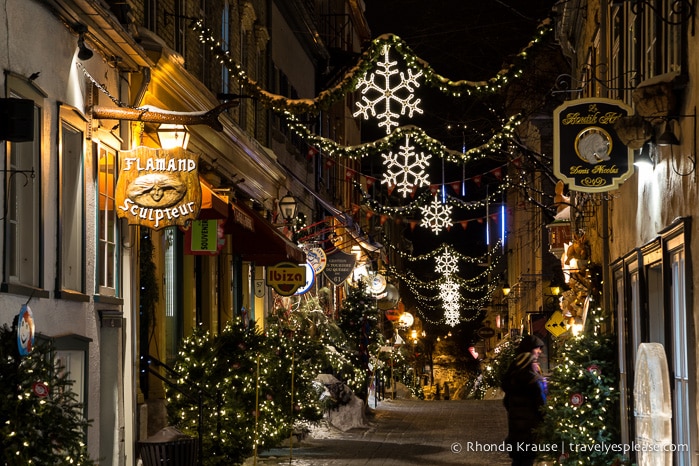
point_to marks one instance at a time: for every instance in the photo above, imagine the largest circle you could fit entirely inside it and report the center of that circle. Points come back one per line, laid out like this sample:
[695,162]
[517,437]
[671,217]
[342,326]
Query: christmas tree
[42,421]
[582,402]
[359,322]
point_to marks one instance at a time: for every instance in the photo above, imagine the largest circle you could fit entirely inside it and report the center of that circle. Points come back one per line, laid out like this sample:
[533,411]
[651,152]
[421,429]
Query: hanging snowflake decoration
[388,92]
[452,305]
[447,263]
[448,291]
[436,216]
[452,318]
[406,169]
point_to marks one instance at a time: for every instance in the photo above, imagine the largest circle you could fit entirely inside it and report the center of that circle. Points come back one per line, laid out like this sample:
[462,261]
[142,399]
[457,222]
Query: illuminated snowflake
[453,305]
[452,318]
[405,169]
[436,216]
[388,92]
[448,291]
[447,263]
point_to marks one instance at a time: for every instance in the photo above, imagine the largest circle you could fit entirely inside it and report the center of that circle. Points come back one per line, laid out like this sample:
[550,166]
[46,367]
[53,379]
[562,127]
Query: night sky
[460,39]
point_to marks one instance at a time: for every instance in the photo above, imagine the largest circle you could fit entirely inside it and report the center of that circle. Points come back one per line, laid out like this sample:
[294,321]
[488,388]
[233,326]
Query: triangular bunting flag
[456,186]
[464,224]
[370,181]
[383,219]
[477,179]
[312,151]
[517,162]
[413,224]
[349,174]
[391,187]
[497,172]
[434,189]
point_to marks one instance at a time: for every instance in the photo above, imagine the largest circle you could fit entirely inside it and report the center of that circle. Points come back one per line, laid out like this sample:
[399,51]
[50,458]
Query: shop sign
[310,279]
[588,155]
[286,277]
[317,258]
[205,237]
[486,332]
[339,266]
[556,325]
[25,331]
[158,188]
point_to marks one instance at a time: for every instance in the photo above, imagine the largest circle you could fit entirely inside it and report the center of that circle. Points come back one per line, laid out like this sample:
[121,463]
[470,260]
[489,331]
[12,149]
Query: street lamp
[287,207]
[506,289]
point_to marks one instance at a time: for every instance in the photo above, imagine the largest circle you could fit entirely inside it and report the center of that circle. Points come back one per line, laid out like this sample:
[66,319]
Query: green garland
[348,83]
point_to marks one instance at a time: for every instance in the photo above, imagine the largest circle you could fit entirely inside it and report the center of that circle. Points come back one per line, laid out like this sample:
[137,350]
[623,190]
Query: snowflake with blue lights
[406,169]
[385,91]
[436,216]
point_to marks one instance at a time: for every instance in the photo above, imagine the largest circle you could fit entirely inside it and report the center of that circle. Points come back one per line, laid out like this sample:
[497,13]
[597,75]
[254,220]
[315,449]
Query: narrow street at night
[402,432]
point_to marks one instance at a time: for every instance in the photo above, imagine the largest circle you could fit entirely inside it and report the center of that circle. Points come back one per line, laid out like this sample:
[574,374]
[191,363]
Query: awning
[213,206]
[256,240]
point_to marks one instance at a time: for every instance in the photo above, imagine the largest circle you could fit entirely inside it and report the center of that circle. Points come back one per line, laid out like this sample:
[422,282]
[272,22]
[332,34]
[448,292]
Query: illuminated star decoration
[406,169]
[447,263]
[388,92]
[436,216]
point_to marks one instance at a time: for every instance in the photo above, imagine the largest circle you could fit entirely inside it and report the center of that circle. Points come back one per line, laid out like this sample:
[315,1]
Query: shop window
[72,201]
[23,245]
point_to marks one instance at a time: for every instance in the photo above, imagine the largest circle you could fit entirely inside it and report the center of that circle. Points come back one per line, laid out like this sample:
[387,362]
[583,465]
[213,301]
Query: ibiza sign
[158,188]
[587,152]
[286,277]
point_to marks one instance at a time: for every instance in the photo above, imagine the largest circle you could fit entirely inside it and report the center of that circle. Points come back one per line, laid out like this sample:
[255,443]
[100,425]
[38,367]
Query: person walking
[525,395]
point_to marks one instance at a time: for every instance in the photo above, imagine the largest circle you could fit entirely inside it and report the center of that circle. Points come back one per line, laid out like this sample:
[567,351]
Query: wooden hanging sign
[158,188]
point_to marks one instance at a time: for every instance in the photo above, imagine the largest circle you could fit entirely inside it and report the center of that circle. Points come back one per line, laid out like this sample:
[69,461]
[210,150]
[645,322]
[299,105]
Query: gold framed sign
[587,153]
[158,188]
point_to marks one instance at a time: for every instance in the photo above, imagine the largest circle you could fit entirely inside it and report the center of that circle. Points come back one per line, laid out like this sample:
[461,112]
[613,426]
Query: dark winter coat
[524,399]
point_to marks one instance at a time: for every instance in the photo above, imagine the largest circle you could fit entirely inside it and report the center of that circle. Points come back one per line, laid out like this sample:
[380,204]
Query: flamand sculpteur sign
[158,188]
[587,153]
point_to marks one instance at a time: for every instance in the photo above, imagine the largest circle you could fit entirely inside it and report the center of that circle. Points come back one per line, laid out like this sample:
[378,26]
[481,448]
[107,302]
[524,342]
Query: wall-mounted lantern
[173,135]
[287,207]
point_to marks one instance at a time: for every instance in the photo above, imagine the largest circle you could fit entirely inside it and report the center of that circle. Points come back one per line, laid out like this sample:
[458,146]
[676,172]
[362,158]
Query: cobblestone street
[403,432]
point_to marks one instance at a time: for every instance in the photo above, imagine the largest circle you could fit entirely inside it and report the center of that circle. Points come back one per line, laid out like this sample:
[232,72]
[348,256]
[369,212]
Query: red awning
[257,240]
[213,206]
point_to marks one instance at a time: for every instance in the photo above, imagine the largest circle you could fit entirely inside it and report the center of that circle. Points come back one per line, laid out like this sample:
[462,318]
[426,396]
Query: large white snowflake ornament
[447,263]
[452,318]
[384,89]
[406,169]
[436,216]
[449,290]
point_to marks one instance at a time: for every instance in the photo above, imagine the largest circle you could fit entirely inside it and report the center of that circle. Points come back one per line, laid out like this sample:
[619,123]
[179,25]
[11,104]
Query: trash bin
[168,447]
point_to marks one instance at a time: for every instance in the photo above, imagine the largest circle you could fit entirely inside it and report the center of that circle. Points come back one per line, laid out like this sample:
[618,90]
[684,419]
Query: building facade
[92,82]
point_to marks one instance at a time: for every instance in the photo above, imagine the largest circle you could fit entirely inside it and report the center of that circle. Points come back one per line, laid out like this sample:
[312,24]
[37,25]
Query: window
[172,290]
[23,245]
[72,201]
[682,400]
[107,234]
[225,44]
